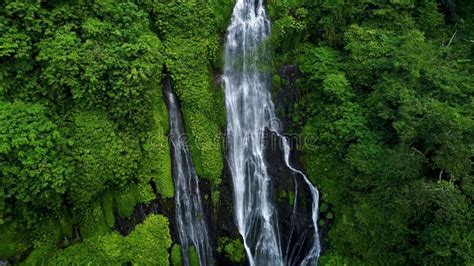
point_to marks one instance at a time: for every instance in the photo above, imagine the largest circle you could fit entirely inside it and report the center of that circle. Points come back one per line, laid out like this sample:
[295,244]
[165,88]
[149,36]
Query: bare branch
[452,38]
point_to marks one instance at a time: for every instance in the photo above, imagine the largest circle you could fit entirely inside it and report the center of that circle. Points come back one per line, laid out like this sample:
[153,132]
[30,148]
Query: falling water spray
[250,111]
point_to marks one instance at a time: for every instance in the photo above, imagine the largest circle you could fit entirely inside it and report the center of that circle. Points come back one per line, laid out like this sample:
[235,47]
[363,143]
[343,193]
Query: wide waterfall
[250,112]
[190,218]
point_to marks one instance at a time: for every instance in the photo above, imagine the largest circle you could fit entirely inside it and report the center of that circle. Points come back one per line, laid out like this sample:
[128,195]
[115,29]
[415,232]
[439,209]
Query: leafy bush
[34,168]
[104,158]
[146,245]
[233,249]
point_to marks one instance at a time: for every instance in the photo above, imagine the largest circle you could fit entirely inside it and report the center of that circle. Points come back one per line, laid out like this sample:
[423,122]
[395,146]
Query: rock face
[286,94]
[219,212]
[158,206]
[289,190]
[284,180]
[223,224]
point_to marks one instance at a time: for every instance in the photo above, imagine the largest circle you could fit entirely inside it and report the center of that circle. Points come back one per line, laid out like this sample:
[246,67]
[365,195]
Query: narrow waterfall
[250,112]
[190,218]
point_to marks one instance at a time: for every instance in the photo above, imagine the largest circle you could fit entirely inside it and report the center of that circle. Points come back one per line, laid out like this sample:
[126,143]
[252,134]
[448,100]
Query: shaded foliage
[386,97]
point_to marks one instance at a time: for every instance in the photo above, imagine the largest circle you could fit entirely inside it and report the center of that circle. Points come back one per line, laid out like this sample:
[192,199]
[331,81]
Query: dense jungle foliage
[383,107]
[385,110]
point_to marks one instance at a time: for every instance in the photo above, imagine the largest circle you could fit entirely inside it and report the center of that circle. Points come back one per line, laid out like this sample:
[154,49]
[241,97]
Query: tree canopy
[385,90]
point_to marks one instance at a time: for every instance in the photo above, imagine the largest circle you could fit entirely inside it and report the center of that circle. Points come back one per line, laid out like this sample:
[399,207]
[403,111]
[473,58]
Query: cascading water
[250,112]
[190,218]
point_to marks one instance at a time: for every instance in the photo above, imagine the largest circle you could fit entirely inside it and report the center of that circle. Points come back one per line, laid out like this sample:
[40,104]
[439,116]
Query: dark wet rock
[159,205]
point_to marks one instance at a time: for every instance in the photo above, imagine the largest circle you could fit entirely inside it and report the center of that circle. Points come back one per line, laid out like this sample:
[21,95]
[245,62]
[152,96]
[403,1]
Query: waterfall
[250,112]
[190,218]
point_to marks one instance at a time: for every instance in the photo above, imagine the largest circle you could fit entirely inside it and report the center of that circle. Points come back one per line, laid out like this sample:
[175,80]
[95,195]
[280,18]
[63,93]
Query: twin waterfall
[250,111]
[250,114]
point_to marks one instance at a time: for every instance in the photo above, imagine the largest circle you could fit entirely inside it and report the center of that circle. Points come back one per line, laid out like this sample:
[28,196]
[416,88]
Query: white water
[190,218]
[250,111]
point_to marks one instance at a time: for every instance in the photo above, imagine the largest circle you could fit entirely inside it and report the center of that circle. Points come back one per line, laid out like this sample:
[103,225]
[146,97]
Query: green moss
[197,103]
[176,256]
[51,230]
[2,203]
[233,248]
[191,35]
[12,241]
[165,185]
[235,251]
[193,256]
[126,201]
[291,198]
[333,259]
[148,244]
[276,82]
[205,145]
[66,227]
[41,255]
[216,198]
[135,194]
[286,196]
[34,172]
[105,249]
[219,103]
[324,207]
[15,238]
[92,220]
[108,209]
[156,164]
[145,193]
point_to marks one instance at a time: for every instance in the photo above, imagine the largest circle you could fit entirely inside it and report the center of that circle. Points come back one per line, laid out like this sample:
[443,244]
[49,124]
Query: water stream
[190,217]
[250,112]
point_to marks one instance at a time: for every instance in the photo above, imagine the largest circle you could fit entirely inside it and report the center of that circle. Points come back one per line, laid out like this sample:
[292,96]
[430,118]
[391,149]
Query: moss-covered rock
[193,257]
[92,221]
[148,244]
[191,36]
[12,241]
[232,248]
[126,201]
[188,64]
[176,256]
[156,164]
